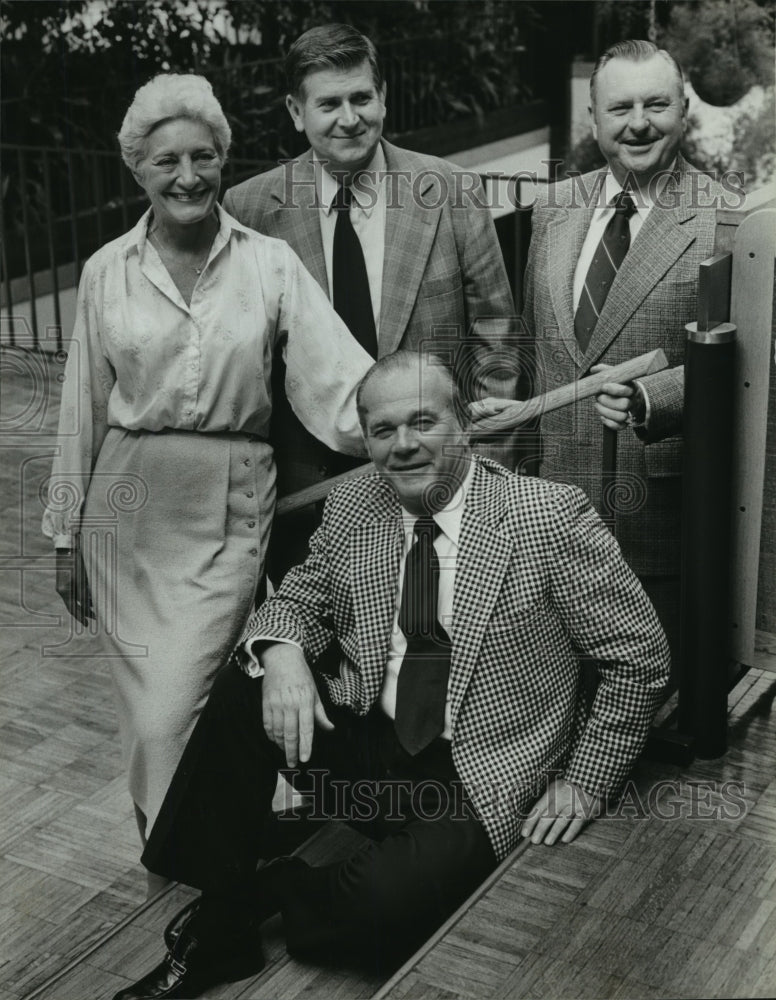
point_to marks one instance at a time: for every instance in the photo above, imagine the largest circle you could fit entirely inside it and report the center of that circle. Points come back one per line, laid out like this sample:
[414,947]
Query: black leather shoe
[173,930]
[189,969]
[267,879]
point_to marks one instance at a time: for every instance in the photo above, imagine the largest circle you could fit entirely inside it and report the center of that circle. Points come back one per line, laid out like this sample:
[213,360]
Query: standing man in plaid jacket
[638,110]
[433,265]
[438,734]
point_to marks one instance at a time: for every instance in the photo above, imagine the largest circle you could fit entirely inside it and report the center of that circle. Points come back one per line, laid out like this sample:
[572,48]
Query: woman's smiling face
[180,172]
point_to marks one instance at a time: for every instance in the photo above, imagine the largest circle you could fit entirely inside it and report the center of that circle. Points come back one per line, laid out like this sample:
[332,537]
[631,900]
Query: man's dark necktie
[421,692]
[609,255]
[351,285]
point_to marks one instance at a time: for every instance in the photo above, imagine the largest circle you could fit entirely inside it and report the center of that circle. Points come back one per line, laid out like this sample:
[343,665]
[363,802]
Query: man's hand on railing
[613,403]
[291,705]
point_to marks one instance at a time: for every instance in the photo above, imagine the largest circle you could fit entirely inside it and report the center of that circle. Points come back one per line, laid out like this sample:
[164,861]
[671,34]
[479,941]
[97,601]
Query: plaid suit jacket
[443,271]
[653,296]
[539,583]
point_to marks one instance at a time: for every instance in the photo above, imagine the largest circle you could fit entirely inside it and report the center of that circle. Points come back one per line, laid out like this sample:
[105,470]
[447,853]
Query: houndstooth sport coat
[444,281]
[539,584]
[652,297]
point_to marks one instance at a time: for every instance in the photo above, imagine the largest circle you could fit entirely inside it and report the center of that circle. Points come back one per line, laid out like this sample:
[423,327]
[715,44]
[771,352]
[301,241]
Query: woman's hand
[72,585]
[481,409]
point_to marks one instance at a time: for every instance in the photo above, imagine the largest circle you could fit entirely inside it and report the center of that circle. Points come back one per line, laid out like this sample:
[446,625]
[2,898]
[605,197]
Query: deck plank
[679,906]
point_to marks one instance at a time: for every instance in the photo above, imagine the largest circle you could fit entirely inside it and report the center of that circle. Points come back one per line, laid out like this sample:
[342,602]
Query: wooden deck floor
[68,843]
[637,907]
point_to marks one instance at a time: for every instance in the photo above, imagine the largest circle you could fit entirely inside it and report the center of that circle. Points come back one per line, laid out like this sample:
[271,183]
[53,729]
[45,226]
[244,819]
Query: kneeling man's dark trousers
[427,853]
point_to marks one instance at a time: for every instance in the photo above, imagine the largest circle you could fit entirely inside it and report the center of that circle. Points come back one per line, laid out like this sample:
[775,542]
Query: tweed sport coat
[539,583]
[443,271]
[653,296]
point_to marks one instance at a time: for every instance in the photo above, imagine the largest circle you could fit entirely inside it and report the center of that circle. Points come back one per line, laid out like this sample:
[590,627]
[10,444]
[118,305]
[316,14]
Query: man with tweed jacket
[639,115]
[433,262]
[529,581]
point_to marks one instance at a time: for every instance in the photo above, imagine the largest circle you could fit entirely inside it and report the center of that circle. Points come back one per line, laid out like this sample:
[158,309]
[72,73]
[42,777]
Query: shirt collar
[642,200]
[449,517]
[364,188]
[138,235]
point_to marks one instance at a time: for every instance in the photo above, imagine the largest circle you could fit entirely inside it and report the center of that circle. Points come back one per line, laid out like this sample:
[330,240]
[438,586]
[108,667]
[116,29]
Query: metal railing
[59,206]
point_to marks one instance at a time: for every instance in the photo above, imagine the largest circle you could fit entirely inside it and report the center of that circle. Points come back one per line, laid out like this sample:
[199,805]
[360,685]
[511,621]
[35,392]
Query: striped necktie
[609,255]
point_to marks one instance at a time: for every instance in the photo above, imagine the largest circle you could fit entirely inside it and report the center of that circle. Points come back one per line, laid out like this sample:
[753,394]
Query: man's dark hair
[424,362]
[635,50]
[332,47]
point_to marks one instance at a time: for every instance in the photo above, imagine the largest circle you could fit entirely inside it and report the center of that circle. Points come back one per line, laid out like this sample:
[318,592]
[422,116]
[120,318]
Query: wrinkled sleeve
[324,363]
[665,392]
[83,417]
[491,324]
[610,620]
[301,610]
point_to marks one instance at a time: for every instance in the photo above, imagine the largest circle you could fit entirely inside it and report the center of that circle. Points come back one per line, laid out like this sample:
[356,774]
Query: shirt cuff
[251,666]
[644,422]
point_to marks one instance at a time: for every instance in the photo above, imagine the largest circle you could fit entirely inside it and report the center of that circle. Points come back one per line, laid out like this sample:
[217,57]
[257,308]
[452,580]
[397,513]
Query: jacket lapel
[662,239]
[409,237]
[484,554]
[566,234]
[374,555]
[294,210]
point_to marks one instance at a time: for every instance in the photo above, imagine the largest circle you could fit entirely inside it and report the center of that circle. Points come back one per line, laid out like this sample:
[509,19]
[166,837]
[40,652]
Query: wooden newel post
[706,533]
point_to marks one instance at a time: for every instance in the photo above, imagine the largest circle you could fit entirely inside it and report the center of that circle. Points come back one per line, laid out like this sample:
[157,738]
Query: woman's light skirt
[174,534]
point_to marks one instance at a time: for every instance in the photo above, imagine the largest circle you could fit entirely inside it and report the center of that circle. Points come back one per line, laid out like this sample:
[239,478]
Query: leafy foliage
[724,46]
[72,67]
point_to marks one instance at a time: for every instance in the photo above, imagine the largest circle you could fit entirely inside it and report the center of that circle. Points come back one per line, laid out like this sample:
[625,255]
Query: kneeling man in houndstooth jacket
[463,599]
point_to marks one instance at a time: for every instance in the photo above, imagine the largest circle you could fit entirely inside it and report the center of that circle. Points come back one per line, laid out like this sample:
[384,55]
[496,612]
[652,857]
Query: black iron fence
[58,207]
[61,205]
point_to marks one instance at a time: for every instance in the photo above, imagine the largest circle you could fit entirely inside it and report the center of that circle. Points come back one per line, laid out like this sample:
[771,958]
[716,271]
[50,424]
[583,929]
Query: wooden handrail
[518,413]
[512,416]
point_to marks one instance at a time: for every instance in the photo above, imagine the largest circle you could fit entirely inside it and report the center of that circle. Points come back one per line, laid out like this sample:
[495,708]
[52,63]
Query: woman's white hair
[168,96]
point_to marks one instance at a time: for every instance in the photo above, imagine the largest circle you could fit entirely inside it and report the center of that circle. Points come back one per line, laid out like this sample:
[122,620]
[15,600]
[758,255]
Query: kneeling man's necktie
[609,255]
[421,692]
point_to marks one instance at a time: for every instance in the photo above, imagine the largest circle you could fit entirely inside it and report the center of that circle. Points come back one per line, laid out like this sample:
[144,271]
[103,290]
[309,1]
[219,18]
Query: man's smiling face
[639,115]
[342,113]
[414,437]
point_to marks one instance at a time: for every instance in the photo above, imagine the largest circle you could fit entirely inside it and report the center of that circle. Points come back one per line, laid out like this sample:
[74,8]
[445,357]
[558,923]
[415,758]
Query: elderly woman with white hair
[163,487]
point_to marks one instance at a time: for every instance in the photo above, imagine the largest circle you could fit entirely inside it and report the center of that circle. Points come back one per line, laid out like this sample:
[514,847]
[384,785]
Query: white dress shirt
[446,547]
[367,215]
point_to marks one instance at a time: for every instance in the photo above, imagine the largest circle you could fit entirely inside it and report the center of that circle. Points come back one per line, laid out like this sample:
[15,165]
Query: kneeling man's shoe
[173,930]
[190,968]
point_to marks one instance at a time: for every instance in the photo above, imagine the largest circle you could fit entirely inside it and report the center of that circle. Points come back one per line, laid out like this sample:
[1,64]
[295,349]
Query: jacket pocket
[664,458]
